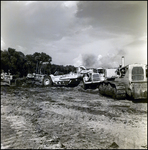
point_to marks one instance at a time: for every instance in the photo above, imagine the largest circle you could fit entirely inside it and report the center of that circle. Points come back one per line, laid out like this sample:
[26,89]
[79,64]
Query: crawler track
[113,89]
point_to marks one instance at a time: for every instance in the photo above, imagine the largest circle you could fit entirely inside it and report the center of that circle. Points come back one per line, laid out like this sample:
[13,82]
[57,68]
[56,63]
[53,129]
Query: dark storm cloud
[73,31]
[115,16]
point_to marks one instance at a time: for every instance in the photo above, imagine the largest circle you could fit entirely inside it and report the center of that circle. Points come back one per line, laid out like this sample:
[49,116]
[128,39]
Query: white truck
[93,76]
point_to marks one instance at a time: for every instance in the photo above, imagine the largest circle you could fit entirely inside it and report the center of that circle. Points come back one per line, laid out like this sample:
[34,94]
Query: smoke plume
[89,60]
[110,60]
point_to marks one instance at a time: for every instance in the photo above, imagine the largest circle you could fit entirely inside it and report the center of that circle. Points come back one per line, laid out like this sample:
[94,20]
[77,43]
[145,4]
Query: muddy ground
[70,118]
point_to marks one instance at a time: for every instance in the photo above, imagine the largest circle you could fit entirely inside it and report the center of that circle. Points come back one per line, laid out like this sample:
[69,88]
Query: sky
[88,33]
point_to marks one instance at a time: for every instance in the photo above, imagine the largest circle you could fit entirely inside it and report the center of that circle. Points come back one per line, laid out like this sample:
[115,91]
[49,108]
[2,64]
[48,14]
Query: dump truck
[131,82]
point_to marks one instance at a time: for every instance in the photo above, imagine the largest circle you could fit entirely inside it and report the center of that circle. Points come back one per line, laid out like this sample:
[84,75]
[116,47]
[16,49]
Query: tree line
[16,63]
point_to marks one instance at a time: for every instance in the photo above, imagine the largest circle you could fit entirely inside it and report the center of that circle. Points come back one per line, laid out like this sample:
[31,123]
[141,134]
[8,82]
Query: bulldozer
[39,77]
[130,82]
[7,79]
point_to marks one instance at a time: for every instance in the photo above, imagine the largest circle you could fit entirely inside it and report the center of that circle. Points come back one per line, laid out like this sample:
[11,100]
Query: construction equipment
[7,79]
[39,79]
[67,80]
[92,77]
[131,81]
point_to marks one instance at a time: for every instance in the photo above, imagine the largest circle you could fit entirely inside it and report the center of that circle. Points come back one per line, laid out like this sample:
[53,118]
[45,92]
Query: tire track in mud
[68,115]
[23,122]
[8,135]
[89,110]
[116,110]
[84,104]
[15,132]
[125,109]
[74,134]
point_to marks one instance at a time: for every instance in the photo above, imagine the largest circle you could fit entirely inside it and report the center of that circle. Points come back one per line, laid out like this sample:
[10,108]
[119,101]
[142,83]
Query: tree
[36,63]
[5,63]
[13,62]
[17,63]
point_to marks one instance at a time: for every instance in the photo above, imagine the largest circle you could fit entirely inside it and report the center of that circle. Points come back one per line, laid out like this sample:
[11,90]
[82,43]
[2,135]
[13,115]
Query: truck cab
[92,77]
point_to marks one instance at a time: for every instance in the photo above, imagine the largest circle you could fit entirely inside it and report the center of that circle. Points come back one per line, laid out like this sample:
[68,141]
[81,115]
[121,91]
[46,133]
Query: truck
[130,82]
[92,77]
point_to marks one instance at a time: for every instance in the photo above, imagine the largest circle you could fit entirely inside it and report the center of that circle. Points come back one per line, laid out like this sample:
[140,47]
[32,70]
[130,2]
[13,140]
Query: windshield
[101,71]
[137,73]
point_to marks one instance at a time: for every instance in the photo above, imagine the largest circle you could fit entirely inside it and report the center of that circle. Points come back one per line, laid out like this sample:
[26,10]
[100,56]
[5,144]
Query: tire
[47,81]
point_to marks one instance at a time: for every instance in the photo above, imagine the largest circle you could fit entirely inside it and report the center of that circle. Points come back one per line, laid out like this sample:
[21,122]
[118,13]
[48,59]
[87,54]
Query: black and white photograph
[73,74]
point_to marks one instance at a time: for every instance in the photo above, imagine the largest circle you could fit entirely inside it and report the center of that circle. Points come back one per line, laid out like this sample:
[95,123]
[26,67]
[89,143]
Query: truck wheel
[47,81]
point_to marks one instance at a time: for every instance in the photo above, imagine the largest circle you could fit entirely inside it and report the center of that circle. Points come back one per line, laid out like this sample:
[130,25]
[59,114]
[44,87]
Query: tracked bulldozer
[131,81]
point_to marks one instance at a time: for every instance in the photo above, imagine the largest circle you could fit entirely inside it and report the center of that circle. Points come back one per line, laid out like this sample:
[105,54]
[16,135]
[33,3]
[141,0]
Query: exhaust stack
[122,61]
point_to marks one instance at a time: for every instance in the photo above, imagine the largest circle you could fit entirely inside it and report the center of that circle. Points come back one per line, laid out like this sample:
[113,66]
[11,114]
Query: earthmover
[130,82]
[92,77]
[68,80]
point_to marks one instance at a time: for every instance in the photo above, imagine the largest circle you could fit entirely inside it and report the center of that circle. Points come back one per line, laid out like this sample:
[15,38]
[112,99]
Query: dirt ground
[70,118]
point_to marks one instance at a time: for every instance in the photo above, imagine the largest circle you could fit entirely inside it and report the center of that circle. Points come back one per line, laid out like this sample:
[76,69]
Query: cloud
[29,2]
[106,61]
[109,61]
[71,31]
[78,61]
[20,48]
[70,4]
[31,22]
[120,17]
[3,45]
[136,52]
